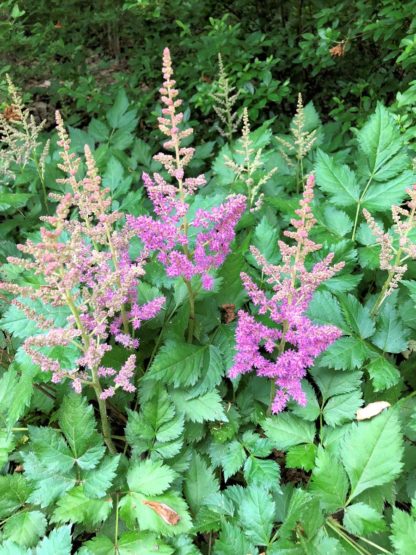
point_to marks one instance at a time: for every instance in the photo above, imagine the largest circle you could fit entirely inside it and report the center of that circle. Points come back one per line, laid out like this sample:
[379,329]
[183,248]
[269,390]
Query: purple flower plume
[284,353]
[186,248]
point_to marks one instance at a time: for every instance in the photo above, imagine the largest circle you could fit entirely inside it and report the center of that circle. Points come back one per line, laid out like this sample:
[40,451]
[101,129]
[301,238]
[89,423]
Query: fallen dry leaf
[164,511]
[372,410]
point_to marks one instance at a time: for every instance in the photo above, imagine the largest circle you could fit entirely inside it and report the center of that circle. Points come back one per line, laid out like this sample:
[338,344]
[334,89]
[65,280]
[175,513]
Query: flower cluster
[185,248]
[82,263]
[285,352]
[393,259]
[251,165]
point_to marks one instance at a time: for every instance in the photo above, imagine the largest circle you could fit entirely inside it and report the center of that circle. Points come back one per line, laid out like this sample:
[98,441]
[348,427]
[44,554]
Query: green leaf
[14,490]
[120,107]
[342,408]
[311,410]
[301,456]
[333,383]
[77,422]
[265,239]
[337,221]
[403,535]
[286,430]
[256,514]
[361,519]
[391,337]
[180,364]
[150,477]
[75,506]
[98,480]
[200,482]
[98,130]
[11,548]
[357,316]
[25,528]
[372,452]
[338,180]
[158,428]
[346,353]
[57,543]
[133,506]
[325,309]
[13,200]
[231,541]
[230,456]
[262,473]
[381,142]
[383,374]
[329,481]
[207,407]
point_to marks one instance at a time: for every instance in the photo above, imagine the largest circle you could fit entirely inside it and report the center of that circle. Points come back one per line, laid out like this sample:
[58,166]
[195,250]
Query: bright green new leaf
[150,477]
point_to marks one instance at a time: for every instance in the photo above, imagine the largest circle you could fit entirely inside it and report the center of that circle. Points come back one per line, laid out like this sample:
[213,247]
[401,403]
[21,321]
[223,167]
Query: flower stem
[105,423]
[191,322]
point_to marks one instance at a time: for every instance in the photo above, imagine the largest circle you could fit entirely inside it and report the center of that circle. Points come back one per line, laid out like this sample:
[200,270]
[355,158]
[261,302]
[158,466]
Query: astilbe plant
[171,234]
[285,352]
[82,263]
[396,248]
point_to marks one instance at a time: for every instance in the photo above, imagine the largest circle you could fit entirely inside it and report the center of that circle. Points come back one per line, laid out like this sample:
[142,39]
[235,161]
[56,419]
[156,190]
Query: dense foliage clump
[208,345]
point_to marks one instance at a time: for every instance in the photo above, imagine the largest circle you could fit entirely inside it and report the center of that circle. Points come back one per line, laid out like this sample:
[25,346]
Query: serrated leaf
[207,407]
[372,452]
[357,316]
[180,364]
[325,309]
[336,179]
[342,408]
[380,141]
[98,480]
[383,374]
[391,337]
[301,456]
[200,482]
[231,540]
[120,107]
[262,473]
[134,506]
[333,383]
[14,490]
[77,422]
[57,543]
[311,410]
[403,535]
[75,506]
[150,477]
[361,519]
[25,528]
[256,514]
[346,353]
[337,221]
[286,430]
[329,481]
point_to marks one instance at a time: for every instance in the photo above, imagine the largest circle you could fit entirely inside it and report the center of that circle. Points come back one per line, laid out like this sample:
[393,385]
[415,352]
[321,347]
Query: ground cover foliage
[208,338]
